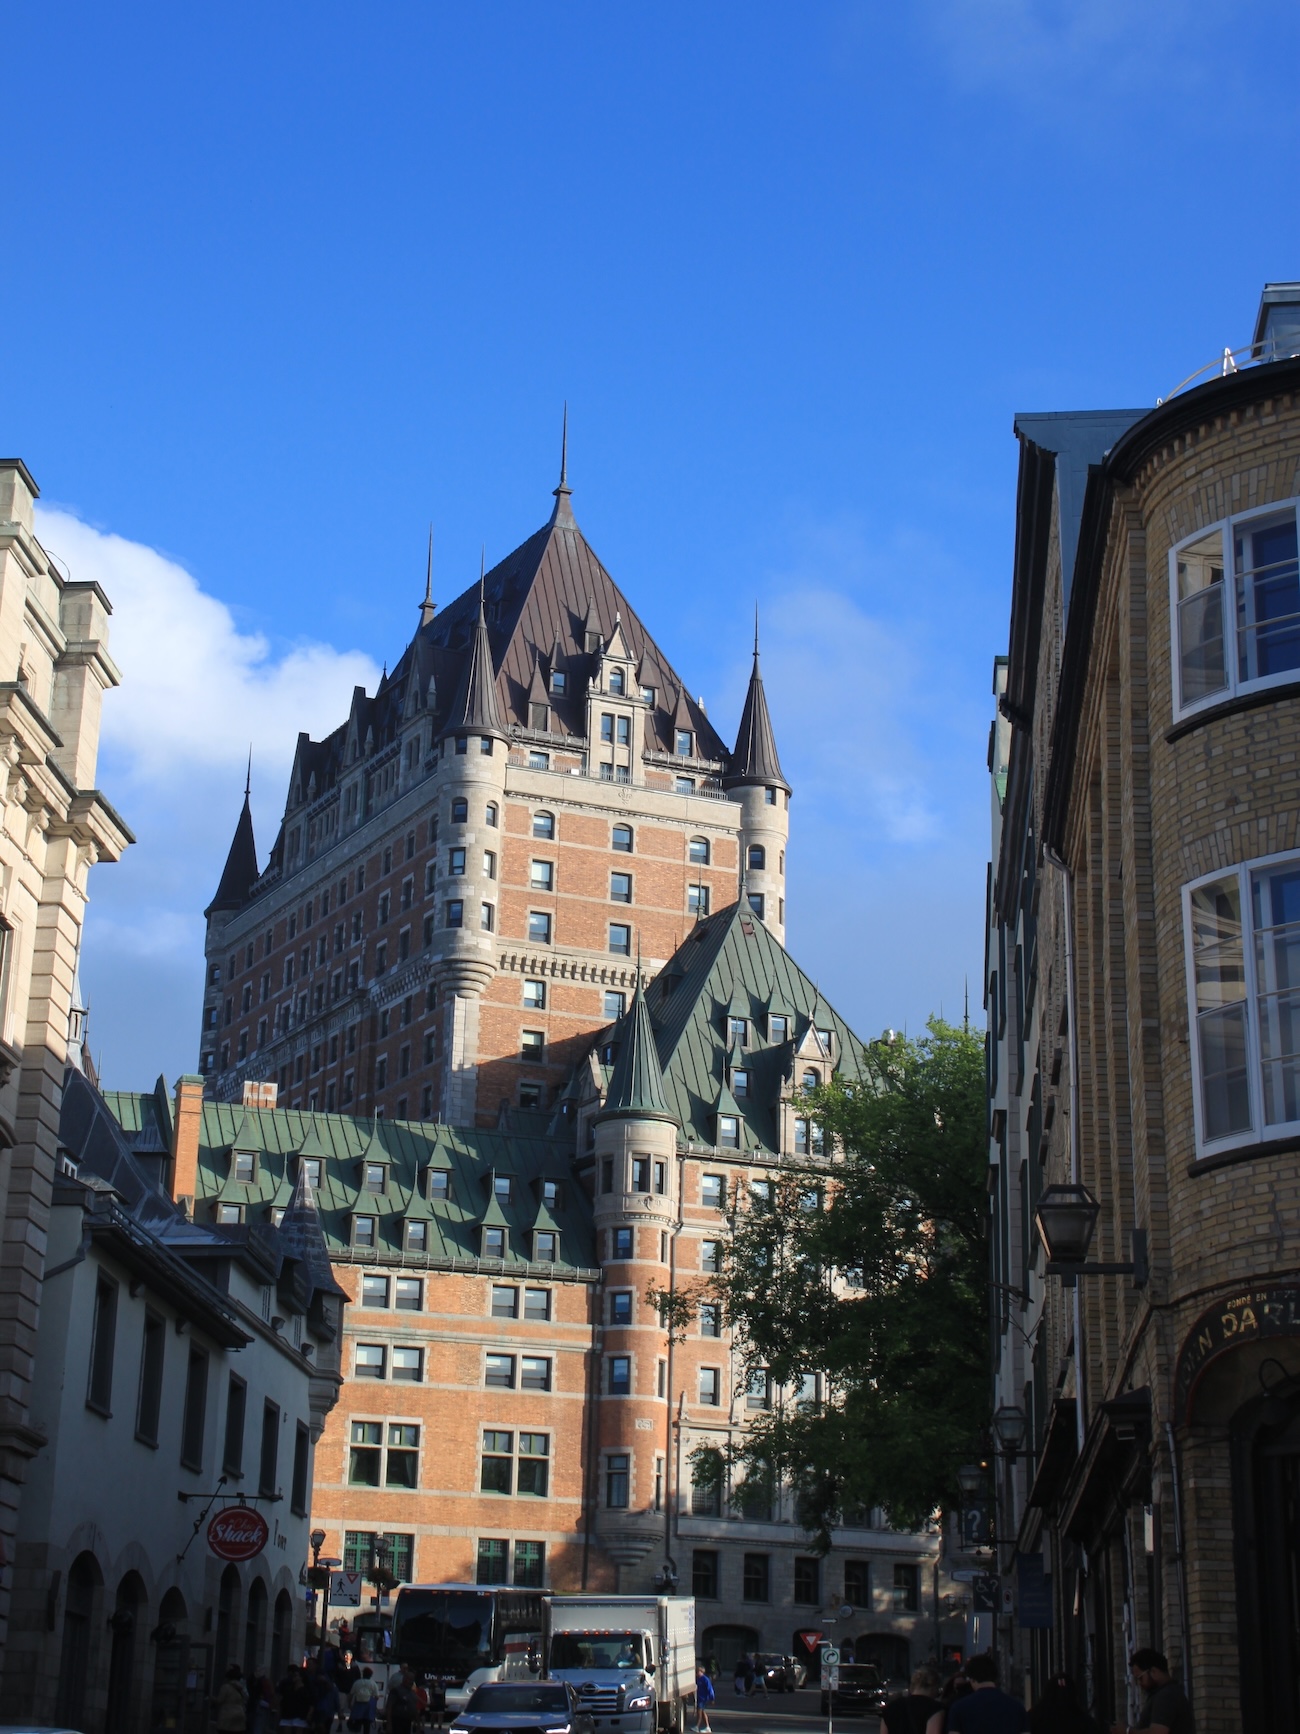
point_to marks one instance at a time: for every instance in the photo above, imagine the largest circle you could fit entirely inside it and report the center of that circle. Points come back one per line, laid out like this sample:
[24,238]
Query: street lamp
[1066,1219]
[1010,1426]
[970,1479]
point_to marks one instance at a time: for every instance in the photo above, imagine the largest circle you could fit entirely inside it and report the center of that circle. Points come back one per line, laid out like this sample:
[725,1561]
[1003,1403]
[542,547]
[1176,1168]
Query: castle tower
[754,779]
[637,1184]
[237,879]
[470,802]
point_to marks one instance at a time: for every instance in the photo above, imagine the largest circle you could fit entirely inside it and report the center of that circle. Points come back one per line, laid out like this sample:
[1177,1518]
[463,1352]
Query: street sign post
[831,1660]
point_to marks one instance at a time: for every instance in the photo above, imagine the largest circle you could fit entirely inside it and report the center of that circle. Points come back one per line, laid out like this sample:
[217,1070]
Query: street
[797,1713]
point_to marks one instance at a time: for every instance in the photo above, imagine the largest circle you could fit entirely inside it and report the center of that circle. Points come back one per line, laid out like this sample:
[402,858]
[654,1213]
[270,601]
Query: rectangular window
[268,1462]
[640,1174]
[532,1046]
[617,1480]
[376,1177]
[409,1295]
[704,1574]
[530,1564]
[620,887]
[1245,995]
[455,915]
[103,1339]
[620,939]
[537,1303]
[401,1468]
[758,1393]
[370,1361]
[245,1167]
[505,1301]
[408,1364]
[697,901]
[535,995]
[857,1584]
[301,1471]
[713,1191]
[374,1291]
[546,1246]
[606,726]
[497,1465]
[615,1003]
[710,1387]
[232,1451]
[494,1243]
[682,743]
[710,1316]
[539,927]
[621,1244]
[492,1561]
[532,1474]
[542,875]
[499,1372]
[439,1183]
[194,1421]
[620,1375]
[711,1256]
[149,1398]
[777,1028]
[363,1227]
[907,1589]
[1233,635]
[487,917]
[365,1456]
[534,1373]
[620,1307]
[756,1577]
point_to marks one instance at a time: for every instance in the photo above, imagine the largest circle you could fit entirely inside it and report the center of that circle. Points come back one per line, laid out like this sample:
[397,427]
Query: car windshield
[766,1661]
[497,1699]
[859,1673]
[596,1649]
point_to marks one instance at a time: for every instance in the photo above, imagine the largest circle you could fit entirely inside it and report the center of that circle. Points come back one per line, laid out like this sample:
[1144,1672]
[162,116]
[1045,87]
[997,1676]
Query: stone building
[449,911]
[54,825]
[1144,903]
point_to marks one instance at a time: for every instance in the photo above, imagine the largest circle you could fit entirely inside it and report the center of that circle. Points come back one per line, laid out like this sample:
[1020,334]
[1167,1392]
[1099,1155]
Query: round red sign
[238,1532]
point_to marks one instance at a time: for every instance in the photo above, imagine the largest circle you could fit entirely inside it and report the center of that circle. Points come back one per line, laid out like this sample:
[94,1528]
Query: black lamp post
[1066,1218]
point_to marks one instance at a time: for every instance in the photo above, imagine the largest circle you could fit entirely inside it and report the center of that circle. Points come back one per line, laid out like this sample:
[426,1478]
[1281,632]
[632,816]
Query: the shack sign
[1248,1317]
[239,1532]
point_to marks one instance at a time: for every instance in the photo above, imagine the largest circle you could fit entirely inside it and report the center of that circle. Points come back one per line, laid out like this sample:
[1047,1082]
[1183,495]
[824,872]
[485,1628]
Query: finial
[564,447]
[482,574]
[563,512]
[756,632]
[248,780]
[638,959]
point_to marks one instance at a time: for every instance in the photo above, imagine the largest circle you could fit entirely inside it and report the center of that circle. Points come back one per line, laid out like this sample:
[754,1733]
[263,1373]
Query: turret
[636,1183]
[238,877]
[471,796]
[756,781]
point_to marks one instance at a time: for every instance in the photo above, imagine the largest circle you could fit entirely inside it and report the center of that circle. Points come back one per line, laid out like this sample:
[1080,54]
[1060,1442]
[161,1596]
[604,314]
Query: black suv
[859,1690]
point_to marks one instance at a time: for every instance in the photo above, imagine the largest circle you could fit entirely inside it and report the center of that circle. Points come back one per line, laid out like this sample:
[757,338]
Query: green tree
[862,1288]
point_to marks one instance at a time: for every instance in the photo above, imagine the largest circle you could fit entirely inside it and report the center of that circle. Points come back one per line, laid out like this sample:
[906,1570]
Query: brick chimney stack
[186,1124]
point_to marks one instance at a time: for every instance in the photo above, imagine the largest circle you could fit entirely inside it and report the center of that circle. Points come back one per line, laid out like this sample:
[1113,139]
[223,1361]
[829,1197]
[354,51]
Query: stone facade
[54,825]
[1140,1016]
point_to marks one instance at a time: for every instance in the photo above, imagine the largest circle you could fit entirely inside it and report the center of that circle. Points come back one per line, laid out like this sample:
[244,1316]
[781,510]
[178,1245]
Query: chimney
[186,1125]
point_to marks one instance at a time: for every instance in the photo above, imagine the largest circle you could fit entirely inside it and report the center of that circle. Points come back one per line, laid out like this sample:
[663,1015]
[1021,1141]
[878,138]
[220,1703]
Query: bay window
[1235,597]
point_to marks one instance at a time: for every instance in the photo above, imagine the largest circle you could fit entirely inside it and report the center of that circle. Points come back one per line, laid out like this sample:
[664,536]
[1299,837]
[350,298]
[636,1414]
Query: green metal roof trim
[342,1143]
[732,966]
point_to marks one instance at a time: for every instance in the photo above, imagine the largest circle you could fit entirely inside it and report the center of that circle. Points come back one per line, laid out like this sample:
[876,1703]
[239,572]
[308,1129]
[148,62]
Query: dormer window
[778,1027]
[617,679]
[417,1236]
[551,1194]
[684,742]
[559,681]
[363,1231]
[229,1215]
[244,1167]
[546,1246]
[439,1183]
[728,1132]
[539,718]
[310,1167]
[592,643]
[376,1177]
[494,1243]
[739,1084]
[648,695]
[738,1030]
[826,1038]
[501,1188]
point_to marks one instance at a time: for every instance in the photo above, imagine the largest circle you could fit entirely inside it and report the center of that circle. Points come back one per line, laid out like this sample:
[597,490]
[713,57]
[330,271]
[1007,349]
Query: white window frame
[1258,1133]
[1234,687]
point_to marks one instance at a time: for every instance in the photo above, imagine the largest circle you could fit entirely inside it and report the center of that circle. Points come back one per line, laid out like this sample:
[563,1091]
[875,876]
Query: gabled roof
[755,759]
[240,870]
[733,964]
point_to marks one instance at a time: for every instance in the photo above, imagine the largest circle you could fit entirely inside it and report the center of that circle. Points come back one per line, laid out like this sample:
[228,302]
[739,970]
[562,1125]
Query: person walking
[362,1701]
[988,1709]
[346,1675]
[1166,1709]
[704,1696]
[296,1700]
[751,1672]
[231,1702]
[327,1705]
[740,1676]
[401,1707]
[911,1715]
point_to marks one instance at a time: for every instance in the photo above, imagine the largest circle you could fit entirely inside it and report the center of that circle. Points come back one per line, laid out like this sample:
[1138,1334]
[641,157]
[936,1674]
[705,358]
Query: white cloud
[196,693]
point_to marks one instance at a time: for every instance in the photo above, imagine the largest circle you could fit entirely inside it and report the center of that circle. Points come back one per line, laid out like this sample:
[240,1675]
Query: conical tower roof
[476,710]
[636,1085]
[240,872]
[303,1238]
[755,758]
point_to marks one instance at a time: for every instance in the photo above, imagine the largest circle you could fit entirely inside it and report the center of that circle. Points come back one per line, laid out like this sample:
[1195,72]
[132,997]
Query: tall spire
[563,513]
[636,1086]
[248,778]
[240,871]
[476,710]
[428,608]
[755,759]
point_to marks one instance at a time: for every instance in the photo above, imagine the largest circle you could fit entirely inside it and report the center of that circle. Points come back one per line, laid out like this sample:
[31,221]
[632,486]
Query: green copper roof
[278,1135]
[636,1088]
[733,966]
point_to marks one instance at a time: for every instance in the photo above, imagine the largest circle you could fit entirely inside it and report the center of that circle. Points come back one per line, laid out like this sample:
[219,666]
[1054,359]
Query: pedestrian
[988,1709]
[1166,1710]
[346,1675]
[911,1715]
[261,1704]
[296,1700]
[740,1676]
[704,1696]
[231,1702]
[751,1672]
[362,1701]
[401,1706]
[327,1704]
[1058,1710]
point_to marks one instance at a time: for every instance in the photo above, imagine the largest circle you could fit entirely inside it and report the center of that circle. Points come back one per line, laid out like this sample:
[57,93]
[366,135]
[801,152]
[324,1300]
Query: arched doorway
[725,1645]
[223,1648]
[124,1626]
[281,1635]
[255,1627]
[85,1581]
[171,1641]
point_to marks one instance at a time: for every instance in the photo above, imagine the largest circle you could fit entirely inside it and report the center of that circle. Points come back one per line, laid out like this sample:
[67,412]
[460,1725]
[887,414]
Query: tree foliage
[871,1272]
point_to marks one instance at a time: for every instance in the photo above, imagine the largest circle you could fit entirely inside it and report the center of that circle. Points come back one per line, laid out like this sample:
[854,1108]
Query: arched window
[621,838]
[757,856]
[281,1634]
[460,811]
[85,1582]
[491,814]
[811,1079]
[123,1649]
[227,1621]
[543,824]
[616,678]
[171,1662]
[699,852]
[255,1627]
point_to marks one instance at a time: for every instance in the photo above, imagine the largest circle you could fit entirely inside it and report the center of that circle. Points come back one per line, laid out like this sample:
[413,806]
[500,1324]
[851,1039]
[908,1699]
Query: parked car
[859,1691]
[776,1672]
[498,1706]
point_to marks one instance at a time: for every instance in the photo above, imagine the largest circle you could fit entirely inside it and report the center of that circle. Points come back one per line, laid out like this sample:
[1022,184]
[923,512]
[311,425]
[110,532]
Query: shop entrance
[1266,1489]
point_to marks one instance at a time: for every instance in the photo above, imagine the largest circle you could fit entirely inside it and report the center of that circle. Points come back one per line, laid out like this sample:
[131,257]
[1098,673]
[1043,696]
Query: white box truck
[631,1659]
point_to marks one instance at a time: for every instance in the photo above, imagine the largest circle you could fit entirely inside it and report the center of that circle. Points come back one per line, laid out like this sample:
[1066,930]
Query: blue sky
[285,283]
